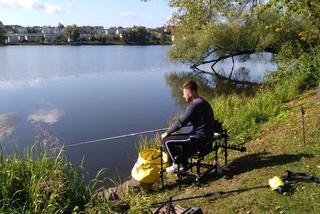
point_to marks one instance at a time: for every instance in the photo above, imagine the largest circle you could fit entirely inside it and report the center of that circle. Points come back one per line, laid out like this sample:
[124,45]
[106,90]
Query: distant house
[37,28]
[89,32]
[14,38]
[111,31]
[119,31]
[50,37]
[33,37]
[11,29]
[93,30]
[22,38]
[99,30]
[51,34]
[21,30]
[25,38]
[11,38]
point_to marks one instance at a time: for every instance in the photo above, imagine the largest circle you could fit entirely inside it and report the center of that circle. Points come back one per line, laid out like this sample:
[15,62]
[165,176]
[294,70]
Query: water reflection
[239,75]
[8,123]
[49,116]
[176,80]
[44,137]
[210,85]
[242,74]
[17,84]
[250,68]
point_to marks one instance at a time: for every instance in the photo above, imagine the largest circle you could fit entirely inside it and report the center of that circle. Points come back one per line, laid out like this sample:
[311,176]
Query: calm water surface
[65,95]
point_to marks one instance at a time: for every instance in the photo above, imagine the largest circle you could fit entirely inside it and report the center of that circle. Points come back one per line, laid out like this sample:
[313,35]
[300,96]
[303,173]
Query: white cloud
[68,3]
[50,116]
[127,14]
[31,5]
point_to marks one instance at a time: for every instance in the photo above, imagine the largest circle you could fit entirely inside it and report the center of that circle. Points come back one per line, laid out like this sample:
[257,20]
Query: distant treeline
[73,34]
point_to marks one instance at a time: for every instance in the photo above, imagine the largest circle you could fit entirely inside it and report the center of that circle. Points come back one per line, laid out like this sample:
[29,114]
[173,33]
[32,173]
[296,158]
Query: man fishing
[199,115]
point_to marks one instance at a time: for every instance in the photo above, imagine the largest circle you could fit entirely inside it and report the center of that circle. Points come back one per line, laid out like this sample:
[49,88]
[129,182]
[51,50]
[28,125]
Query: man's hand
[164,135]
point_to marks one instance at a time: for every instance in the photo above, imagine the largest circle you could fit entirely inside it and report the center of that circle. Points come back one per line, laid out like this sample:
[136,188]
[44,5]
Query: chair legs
[197,175]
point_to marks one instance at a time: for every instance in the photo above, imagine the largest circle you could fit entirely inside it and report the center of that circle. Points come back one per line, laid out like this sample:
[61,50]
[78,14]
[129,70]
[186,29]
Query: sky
[107,13]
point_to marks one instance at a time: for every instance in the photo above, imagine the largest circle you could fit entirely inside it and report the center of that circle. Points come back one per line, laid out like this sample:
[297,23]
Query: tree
[141,34]
[207,31]
[60,25]
[128,36]
[302,56]
[2,33]
[136,35]
[71,33]
[102,38]
[308,10]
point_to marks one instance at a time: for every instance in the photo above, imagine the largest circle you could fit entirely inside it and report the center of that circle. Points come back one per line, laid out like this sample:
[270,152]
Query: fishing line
[113,138]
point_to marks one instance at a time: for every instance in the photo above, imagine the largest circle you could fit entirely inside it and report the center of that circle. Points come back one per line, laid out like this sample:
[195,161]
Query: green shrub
[34,183]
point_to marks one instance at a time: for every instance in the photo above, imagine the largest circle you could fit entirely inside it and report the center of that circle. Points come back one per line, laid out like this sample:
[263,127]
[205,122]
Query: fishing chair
[219,140]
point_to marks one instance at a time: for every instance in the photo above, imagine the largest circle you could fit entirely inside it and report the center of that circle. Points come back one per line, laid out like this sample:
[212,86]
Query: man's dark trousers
[180,146]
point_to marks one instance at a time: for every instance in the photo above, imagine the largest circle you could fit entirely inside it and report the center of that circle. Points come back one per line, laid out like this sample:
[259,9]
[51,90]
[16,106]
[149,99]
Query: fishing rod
[114,137]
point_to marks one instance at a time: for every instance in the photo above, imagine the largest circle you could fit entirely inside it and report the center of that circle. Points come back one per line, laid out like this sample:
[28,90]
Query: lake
[68,94]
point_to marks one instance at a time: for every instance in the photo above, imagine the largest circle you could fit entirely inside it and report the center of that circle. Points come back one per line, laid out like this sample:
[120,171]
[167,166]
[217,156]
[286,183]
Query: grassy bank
[277,146]
[270,126]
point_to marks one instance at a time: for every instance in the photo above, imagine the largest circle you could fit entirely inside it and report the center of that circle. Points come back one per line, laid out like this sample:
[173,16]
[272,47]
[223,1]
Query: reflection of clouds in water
[8,123]
[44,137]
[16,84]
[50,116]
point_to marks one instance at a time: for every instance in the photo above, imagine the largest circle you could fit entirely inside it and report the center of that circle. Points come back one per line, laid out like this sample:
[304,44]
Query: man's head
[190,90]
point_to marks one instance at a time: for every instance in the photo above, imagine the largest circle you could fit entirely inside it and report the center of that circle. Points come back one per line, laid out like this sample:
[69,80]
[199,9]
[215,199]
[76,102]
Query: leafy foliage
[136,35]
[308,10]
[71,33]
[211,31]
[2,38]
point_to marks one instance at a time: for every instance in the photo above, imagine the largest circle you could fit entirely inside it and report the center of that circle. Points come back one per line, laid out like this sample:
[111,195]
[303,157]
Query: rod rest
[232,147]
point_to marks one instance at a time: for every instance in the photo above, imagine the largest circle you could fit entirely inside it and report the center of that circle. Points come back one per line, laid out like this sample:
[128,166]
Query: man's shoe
[174,168]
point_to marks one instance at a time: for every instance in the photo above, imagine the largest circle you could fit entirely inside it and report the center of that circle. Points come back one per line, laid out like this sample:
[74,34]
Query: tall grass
[145,143]
[40,182]
[243,116]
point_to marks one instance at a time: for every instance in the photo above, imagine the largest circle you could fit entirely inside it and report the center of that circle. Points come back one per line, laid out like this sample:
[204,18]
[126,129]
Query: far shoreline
[120,43]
